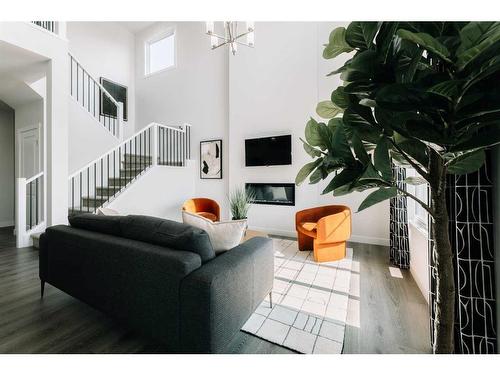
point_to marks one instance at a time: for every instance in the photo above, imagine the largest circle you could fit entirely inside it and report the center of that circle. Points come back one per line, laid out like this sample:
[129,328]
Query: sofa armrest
[218,298]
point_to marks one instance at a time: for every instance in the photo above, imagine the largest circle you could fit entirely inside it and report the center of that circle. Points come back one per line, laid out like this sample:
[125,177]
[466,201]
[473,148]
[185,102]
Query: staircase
[102,180]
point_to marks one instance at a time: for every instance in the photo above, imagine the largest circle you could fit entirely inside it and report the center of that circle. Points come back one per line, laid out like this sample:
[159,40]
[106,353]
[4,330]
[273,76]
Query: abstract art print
[211,159]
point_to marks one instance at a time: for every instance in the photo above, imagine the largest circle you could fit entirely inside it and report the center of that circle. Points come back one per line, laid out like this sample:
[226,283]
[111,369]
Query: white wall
[419,258]
[106,49]
[274,89]
[88,139]
[160,192]
[270,89]
[7,170]
[193,92]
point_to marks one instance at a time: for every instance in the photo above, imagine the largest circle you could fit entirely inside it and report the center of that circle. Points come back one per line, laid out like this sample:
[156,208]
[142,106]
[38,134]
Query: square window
[160,53]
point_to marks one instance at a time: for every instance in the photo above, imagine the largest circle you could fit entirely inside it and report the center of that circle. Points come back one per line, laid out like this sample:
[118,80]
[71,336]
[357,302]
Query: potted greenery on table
[240,201]
[424,94]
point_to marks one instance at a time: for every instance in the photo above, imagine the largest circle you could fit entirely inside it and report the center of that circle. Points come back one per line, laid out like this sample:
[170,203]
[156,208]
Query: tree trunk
[443,256]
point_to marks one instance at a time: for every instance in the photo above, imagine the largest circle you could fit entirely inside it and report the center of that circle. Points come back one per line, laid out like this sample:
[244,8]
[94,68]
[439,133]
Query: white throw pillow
[103,211]
[224,235]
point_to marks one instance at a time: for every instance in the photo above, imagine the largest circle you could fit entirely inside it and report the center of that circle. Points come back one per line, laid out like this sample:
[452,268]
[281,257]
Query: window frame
[171,31]
[417,215]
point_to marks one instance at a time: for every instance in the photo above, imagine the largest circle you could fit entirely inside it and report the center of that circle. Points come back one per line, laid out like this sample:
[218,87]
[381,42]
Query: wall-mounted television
[268,151]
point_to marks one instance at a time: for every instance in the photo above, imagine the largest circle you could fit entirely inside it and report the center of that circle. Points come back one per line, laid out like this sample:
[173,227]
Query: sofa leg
[271,299]
[42,288]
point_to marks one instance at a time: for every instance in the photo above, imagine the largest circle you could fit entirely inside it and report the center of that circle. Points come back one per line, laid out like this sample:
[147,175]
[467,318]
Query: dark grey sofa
[159,277]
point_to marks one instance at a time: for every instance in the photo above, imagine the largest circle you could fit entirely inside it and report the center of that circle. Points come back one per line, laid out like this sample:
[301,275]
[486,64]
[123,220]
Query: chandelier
[231,36]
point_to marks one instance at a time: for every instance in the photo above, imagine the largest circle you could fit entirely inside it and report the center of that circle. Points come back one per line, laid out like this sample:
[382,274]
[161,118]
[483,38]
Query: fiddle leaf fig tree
[422,94]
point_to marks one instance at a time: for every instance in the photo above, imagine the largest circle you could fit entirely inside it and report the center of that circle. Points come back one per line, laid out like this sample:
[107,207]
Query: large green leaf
[448,89]
[382,160]
[385,38]
[408,60]
[306,170]
[361,34]
[489,38]
[340,98]
[359,148]
[467,162]
[378,196]
[340,145]
[427,42]
[318,175]
[486,137]
[311,151]
[316,134]
[327,109]
[336,44]
[473,33]
[345,177]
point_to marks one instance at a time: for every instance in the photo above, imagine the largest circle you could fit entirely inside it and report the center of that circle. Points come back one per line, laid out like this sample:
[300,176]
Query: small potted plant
[240,201]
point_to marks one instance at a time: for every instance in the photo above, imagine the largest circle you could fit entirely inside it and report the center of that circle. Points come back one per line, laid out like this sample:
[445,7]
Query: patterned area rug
[310,302]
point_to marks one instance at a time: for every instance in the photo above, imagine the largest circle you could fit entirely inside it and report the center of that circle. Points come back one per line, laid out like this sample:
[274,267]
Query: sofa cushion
[169,234]
[102,224]
[224,235]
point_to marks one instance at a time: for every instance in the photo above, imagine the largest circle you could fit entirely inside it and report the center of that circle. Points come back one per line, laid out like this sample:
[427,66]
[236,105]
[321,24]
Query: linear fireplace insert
[272,193]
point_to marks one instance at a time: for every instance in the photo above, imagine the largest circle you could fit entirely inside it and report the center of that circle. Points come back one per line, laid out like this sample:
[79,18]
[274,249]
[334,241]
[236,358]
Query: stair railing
[30,210]
[95,99]
[100,181]
[47,25]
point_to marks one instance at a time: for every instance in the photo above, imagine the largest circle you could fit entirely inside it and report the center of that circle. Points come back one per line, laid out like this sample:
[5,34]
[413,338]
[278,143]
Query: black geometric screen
[399,253]
[469,200]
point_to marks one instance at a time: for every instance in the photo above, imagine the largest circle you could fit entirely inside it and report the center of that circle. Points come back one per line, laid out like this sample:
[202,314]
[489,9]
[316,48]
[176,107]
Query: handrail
[110,97]
[180,130]
[31,179]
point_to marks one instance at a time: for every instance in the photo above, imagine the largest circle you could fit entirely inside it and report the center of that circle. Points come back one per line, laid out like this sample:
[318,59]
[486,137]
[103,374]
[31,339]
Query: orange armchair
[324,230]
[205,207]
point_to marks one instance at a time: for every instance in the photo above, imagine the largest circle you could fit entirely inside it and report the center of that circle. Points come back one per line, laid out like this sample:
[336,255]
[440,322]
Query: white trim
[171,31]
[7,223]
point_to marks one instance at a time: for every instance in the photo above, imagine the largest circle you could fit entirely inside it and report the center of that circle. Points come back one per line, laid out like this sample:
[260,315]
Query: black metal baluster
[88,91]
[93,94]
[88,189]
[31,208]
[107,172]
[36,201]
[81,193]
[77,65]
[71,75]
[72,195]
[102,178]
[95,187]
[114,169]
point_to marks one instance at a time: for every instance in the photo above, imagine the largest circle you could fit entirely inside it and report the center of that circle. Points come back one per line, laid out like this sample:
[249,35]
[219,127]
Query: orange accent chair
[205,207]
[324,230]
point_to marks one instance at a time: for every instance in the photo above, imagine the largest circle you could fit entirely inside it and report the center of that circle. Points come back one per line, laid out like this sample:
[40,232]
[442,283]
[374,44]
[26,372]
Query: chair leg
[271,299]
[42,288]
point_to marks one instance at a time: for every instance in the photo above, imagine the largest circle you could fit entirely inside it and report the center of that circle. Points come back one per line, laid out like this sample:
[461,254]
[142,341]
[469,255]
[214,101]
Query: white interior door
[29,152]
[29,162]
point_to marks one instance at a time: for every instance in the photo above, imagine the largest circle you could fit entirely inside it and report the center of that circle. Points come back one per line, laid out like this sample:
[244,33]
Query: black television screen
[268,151]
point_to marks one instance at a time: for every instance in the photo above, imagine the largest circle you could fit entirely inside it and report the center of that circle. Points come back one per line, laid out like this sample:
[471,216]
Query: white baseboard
[369,240]
[7,223]
[354,238]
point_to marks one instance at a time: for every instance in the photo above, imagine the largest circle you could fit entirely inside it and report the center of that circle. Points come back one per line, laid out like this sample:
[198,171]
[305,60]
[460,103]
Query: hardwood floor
[388,315]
